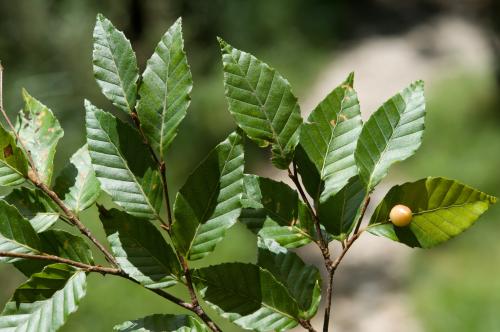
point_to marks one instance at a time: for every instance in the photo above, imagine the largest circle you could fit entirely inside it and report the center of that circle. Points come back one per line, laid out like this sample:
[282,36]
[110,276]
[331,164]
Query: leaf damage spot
[7,151]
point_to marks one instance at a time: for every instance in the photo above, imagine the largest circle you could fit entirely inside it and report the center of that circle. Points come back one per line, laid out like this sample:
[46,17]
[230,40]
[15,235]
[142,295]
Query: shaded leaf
[262,103]
[122,164]
[161,323]
[248,296]
[309,174]
[210,200]
[77,182]
[164,91]
[393,133]
[330,136]
[40,132]
[44,302]
[13,163]
[115,65]
[66,245]
[442,209]
[140,249]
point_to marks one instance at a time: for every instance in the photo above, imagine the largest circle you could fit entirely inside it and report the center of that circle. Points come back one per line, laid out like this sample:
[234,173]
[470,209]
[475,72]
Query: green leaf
[160,323]
[247,295]
[393,133]
[44,302]
[115,65]
[34,205]
[16,233]
[262,103]
[309,174]
[442,209]
[210,201]
[40,132]
[66,245]
[329,138]
[77,182]
[122,164]
[339,212]
[271,210]
[302,281]
[140,249]
[164,91]
[13,163]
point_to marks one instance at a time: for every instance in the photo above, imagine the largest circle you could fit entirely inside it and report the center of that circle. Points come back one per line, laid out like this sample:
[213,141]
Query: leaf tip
[223,44]
[350,79]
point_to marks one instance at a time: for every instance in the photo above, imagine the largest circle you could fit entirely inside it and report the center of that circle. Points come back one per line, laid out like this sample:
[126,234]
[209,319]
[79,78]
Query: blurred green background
[45,46]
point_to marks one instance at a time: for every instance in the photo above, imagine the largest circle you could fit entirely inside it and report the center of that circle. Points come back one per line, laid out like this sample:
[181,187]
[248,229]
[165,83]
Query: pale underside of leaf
[13,163]
[442,209]
[157,323]
[262,103]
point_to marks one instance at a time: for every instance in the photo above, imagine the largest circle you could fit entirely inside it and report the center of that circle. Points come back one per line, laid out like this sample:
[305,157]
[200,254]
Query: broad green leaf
[140,249]
[339,212]
[161,323]
[329,138]
[40,132]
[45,301]
[122,164]
[210,200]
[77,182]
[16,233]
[271,210]
[247,295]
[34,205]
[262,103]
[309,174]
[164,91]
[13,163]
[442,209]
[66,245]
[302,281]
[393,133]
[115,65]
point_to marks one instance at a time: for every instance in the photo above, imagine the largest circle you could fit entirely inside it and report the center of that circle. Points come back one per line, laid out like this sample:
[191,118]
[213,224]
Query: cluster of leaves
[334,160]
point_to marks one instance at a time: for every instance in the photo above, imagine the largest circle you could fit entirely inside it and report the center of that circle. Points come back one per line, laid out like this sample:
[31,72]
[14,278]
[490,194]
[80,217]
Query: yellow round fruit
[400,215]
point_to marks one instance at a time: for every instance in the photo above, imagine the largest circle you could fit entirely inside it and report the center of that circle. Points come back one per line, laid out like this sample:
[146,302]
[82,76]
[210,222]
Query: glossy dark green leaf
[164,91]
[271,210]
[77,183]
[330,136]
[162,323]
[210,200]
[393,133]
[40,132]
[339,212]
[248,295]
[13,163]
[115,65]
[16,233]
[122,164]
[302,281]
[45,301]
[442,209]
[262,103]
[140,249]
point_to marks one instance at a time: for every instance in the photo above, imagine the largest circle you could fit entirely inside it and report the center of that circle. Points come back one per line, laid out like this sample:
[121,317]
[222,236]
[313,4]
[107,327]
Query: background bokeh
[45,46]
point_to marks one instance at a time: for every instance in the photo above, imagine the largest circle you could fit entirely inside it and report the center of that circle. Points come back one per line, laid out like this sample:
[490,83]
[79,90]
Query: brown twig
[307,325]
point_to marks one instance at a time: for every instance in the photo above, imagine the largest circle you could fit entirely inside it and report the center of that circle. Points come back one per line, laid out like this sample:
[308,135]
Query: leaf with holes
[393,133]
[442,209]
[249,296]
[210,200]
[45,301]
[329,138]
[122,164]
[13,163]
[40,132]
[16,233]
[140,249]
[302,281]
[271,210]
[77,182]
[157,323]
[115,65]
[164,91]
[262,103]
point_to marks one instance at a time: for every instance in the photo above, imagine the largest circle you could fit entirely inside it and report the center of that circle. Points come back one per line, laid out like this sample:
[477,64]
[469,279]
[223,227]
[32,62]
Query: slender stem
[307,325]
[57,259]
[165,191]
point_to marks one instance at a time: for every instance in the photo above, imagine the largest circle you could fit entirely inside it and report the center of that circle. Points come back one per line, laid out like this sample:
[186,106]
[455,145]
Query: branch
[57,259]
[307,325]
